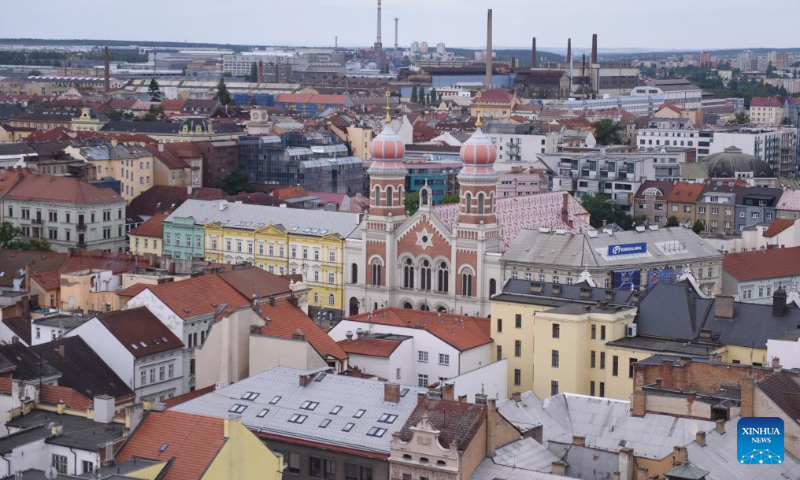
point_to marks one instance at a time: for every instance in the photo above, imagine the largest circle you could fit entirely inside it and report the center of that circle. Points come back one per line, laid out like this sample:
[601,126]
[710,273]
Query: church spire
[387,173]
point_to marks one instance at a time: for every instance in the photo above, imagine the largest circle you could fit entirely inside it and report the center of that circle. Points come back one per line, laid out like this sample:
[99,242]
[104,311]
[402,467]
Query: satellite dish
[51,473]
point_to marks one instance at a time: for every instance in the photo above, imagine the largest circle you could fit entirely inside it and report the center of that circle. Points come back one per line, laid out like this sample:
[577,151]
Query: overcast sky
[678,24]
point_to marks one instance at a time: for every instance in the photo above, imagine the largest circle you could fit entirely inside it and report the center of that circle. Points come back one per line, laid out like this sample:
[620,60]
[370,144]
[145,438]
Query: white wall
[74,460]
[267,352]
[32,455]
[160,389]
[491,379]
[7,335]
[787,351]
[476,358]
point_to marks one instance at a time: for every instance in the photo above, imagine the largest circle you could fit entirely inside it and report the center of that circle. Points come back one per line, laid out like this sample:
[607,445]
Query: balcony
[81,227]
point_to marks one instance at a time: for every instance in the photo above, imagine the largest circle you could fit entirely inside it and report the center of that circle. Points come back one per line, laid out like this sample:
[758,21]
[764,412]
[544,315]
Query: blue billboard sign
[627,279]
[664,275]
[627,249]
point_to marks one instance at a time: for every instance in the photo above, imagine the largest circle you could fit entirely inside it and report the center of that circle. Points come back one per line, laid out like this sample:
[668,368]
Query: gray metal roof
[524,459]
[664,245]
[317,223]
[77,432]
[329,391]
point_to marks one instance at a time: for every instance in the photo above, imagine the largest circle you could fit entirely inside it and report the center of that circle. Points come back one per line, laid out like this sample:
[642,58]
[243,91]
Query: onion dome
[387,145]
[478,151]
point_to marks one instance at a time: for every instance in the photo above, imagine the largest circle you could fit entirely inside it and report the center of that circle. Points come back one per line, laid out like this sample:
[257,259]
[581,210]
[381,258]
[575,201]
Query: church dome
[727,163]
[478,150]
[387,145]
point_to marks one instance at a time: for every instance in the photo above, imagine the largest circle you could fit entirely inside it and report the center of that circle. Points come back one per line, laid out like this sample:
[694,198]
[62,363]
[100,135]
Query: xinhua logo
[759,440]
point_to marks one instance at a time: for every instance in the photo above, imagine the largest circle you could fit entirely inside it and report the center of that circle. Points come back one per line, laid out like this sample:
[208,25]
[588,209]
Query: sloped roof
[48,280]
[203,295]
[253,282]
[766,102]
[140,332]
[495,95]
[27,364]
[152,227]
[370,347]
[94,259]
[460,331]
[456,421]
[167,158]
[684,192]
[55,394]
[21,328]
[770,263]
[784,390]
[777,226]
[664,187]
[192,442]
[12,261]
[44,188]
[790,200]
[283,319]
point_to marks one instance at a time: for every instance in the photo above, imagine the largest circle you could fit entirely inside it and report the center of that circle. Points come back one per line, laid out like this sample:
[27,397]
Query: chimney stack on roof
[106,75]
[724,306]
[391,393]
[594,49]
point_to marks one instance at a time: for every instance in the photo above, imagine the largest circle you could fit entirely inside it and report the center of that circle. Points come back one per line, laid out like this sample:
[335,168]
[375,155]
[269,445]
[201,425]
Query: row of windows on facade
[52,233]
[323,468]
[442,286]
[60,463]
[689,143]
[52,216]
[164,373]
[747,292]
[249,244]
[556,279]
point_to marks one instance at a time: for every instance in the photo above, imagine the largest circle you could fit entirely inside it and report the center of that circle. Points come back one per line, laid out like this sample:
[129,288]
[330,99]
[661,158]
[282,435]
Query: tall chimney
[594,49]
[533,53]
[488,83]
[106,77]
[260,71]
[569,52]
[378,38]
[396,45]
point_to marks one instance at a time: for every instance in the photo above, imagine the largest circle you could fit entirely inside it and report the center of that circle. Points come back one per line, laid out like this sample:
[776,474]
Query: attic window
[163,448]
[275,400]
[309,405]
[237,408]
[144,345]
[297,418]
[263,413]
[387,418]
[164,339]
[335,410]
[348,427]
[325,423]
[360,413]
[376,432]
[250,396]
[134,346]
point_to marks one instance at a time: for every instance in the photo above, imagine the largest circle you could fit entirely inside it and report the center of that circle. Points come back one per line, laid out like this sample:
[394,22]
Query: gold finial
[478,121]
[388,118]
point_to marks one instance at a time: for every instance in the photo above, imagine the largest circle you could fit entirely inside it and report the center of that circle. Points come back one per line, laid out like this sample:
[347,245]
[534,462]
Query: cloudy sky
[678,24]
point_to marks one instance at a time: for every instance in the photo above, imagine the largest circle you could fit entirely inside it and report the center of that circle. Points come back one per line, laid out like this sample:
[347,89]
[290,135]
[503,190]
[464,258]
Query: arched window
[466,282]
[444,278]
[423,197]
[408,274]
[468,203]
[480,203]
[492,287]
[408,306]
[376,200]
[425,276]
[354,273]
[353,306]
[389,195]
[377,272]
[425,308]
[442,309]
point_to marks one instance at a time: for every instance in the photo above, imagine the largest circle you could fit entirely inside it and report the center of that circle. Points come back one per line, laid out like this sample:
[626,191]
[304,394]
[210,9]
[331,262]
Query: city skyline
[454,22]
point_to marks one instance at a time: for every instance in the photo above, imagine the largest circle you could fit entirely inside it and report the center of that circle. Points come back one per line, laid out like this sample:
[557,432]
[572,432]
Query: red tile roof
[67,190]
[173,105]
[197,296]
[168,159]
[133,290]
[460,331]
[175,401]
[141,332]
[12,261]
[371,347]
[192,441]
[256,283]
[765,102]
[153,227]
[674,107]
[284,319]
[684,192]
[48,280]
[54,395]
[495,95]
[771,263]
[455,421]
[778,225]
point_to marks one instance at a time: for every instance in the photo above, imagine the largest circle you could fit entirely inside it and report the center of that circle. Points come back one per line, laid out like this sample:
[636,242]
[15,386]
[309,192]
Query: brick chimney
[558,467]
[680,455]
[298,335]
[448,392]
[260,71]
[700,438]
[491,426]
[305,379]
[594,49]
[391,393]
[639,404]
[579,440]
[724,306]
[720,426]
[748,391]
[776,363]
[516,396]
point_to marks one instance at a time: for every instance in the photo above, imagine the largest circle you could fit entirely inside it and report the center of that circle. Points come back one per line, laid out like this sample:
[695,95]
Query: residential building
[140,349]
[444,257]
[764,143]
[442,346]
[757,205]
[194,446]
[716,207]
[766,111]
[278,240]
[495,103]
[186,130]
[146,239]
[682,202]
[521,181]
[50,327]
[132,165]
[321,424]
[755,277]
[619,260]
[177,164]
[516,143]
[789,205]
[66,212]
[669,132]
[652,200]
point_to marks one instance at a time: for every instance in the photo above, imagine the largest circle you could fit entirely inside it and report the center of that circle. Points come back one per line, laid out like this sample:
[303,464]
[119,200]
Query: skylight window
[237,408]
[275,400]
[134,346]
[250,396]
[403,392]
[376,432]
[144,345]
[263,413]
[325,423]
[360,413]
[309,405]
[335,410]
[164,339]
[348,427]
[387,418]
[297,418]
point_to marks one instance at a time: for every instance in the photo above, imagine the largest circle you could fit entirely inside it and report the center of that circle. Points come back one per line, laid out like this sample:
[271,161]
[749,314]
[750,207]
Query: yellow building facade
[243,456]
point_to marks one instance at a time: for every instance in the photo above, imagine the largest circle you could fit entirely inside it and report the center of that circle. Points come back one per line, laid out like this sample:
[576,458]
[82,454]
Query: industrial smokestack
[378,39]
[594,49]
[489,50]
[396,45]
[107,75]
[569,52]
[260,71]
[533,53]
